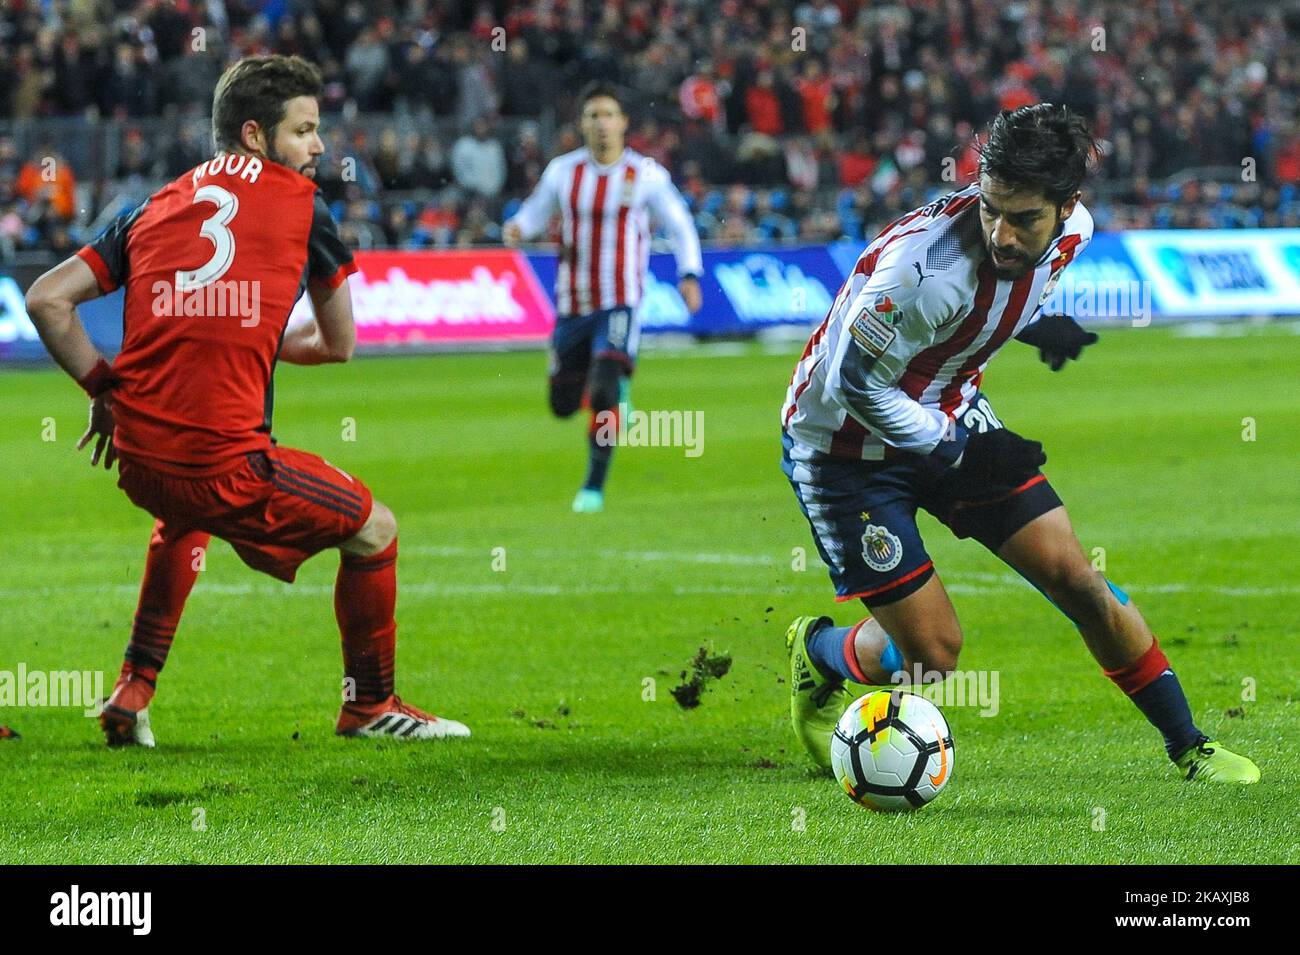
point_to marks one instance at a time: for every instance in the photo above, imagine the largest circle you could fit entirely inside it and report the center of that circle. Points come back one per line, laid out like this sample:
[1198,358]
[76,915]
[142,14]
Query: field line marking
[957,584]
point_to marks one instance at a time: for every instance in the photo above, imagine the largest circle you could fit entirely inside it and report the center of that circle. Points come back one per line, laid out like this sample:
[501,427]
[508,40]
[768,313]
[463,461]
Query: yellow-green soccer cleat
[816,702]
[1209,761]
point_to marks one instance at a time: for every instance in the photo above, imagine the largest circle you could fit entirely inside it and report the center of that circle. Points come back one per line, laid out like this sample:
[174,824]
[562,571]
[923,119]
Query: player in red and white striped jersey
[927,309]
[605,195]
[884,415]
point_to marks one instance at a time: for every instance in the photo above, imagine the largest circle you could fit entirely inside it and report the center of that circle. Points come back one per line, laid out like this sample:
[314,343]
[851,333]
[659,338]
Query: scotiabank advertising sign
[412,298]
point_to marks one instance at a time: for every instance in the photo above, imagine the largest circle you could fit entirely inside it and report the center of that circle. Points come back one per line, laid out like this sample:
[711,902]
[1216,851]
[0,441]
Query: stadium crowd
[810,120]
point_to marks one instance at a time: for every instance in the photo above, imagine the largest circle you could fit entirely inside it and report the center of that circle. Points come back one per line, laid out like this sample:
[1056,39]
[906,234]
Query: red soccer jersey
[816,96]
[212,263]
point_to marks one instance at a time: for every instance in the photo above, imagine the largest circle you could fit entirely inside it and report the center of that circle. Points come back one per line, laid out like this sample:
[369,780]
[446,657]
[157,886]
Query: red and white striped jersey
[605,228]
[903,349]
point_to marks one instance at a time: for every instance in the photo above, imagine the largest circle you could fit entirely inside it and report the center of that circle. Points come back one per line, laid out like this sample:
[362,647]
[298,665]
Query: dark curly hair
[1044,147]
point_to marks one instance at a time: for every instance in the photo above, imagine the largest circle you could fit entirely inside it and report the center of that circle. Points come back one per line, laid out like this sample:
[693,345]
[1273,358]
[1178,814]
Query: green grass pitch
[548,658]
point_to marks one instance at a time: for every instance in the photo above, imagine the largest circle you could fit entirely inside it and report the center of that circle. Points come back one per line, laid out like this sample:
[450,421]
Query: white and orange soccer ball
[892,751]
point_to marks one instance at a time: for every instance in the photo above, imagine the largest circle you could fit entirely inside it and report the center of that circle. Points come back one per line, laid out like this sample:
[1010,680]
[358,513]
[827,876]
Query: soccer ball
[892,751]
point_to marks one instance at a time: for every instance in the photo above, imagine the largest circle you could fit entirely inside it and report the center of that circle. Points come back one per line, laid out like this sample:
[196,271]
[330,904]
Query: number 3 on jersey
[216,230]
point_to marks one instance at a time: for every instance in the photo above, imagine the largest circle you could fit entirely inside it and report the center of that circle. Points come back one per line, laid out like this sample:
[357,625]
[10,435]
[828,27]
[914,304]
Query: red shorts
[276,508]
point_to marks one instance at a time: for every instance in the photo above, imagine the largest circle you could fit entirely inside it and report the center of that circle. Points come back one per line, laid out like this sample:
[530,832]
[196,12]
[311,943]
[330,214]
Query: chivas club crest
[629,187]
[881,549]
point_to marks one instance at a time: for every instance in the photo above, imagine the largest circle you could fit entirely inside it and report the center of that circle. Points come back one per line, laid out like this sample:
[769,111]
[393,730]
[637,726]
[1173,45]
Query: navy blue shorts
[863,513]
[578,340]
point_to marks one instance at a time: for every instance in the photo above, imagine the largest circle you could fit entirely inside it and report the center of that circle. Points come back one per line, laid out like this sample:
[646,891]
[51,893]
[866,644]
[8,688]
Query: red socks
[851,653]
[365,595]
[1155,690]
[1142,671]
[169,574]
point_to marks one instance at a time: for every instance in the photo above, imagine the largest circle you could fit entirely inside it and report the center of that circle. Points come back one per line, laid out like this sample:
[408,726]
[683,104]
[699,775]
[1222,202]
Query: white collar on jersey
[604,167]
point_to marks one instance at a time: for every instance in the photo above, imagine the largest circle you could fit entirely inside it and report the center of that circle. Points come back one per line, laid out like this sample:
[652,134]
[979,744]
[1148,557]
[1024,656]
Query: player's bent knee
[385,529]
[924,627]
[603,386]
[375,535]
[934,648]
[939,653]
[566,397]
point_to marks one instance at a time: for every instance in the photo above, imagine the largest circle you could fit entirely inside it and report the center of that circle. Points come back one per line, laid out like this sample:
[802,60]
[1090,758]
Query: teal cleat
[816,702]
[589,501]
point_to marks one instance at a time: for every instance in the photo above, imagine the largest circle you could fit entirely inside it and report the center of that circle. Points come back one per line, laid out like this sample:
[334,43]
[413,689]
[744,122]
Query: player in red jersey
[212,264]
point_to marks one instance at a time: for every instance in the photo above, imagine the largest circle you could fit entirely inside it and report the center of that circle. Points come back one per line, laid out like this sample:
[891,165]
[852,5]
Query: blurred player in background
[604,193]
[885,414]
[212,264]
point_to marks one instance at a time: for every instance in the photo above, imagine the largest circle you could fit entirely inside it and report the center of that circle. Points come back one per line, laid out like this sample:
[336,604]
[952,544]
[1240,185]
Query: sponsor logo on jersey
[885,309]
[881,549]
[872,328]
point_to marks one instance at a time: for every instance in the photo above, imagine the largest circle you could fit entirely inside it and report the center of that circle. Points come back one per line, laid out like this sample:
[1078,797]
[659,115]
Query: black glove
[999,457]
[1057,338]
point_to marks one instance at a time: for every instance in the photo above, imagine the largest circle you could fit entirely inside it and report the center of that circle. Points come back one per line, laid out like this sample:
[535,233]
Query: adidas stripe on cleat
[816,701]
[1208,761]
[395,719]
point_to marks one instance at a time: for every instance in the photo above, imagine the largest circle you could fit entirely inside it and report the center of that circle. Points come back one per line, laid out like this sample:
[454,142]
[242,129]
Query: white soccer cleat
[143,732]
[122,727]
[395,719]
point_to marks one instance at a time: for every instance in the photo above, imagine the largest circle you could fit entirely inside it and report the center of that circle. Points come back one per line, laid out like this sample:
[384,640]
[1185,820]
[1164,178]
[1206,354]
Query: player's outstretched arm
[331,337]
